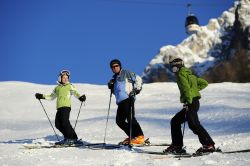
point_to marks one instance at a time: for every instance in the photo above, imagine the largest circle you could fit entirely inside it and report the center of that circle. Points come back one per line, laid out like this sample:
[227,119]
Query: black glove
[82,98]
[132,93]
[186,106]
[111,84]
[137,91]
[39,96]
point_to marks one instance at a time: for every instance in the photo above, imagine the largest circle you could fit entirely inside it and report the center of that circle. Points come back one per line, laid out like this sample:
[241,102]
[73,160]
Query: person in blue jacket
[122,86]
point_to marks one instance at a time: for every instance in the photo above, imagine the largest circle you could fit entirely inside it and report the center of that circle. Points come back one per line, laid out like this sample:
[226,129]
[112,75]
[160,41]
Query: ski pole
[183,129]
[131,119]
[107,118]
[49,120]
[78,114]
[184,122]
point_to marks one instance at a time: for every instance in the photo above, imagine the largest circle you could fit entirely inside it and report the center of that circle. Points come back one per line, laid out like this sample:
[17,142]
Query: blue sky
[38,38]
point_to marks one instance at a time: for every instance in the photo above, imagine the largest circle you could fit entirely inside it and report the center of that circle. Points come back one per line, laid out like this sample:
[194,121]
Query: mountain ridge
[219,51]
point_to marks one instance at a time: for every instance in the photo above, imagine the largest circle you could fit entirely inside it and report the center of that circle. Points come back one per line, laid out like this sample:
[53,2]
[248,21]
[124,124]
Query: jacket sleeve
[74,92]
[132,79]
[131,76]
[52,96]
[201,83]
[185,88]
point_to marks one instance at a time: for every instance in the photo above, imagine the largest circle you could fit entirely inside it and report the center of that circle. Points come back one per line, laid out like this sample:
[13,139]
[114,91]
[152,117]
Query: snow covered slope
[225,113]
[202,51]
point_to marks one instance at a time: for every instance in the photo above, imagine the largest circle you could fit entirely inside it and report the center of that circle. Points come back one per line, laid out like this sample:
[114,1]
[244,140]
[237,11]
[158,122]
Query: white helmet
[63,72]
[176,64]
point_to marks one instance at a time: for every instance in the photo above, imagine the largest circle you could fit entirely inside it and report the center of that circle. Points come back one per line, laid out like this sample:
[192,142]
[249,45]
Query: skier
[63,92]
[122,86]
[189,86]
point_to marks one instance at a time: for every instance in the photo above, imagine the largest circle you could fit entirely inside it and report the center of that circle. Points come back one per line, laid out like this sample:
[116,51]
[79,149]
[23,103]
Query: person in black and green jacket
[63,93]
[189,86]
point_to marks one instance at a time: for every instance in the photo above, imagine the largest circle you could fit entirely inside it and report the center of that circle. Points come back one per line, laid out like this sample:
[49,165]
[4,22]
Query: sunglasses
[114,66]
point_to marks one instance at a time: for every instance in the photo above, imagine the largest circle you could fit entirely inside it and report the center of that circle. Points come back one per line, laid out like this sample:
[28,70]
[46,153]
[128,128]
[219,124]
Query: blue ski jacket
[123,84]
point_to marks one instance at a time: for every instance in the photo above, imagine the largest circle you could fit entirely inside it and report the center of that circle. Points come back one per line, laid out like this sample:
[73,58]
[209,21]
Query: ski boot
[174,149]
[78,142]
[206,149]
[125,141]
[60,142]
[69,142]
[139,140]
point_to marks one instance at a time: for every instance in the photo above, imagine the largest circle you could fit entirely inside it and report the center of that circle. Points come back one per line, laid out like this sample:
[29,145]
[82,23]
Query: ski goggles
[179,63]
[63,72]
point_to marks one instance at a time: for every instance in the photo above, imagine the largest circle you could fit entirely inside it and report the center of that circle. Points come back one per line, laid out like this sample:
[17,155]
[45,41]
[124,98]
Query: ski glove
[132,93]
[82,98]
[137,91]
[39,96]
[111,84]
[186,106]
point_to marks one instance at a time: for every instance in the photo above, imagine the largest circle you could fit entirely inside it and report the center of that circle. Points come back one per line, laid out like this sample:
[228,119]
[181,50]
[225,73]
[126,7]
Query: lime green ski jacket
[189,85]
[63,94]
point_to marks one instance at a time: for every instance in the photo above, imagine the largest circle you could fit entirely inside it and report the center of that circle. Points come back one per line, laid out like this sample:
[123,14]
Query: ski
[52,145]
[237,151]
[189,155]
[152,144]
[164,154]
[108,146]
[178,155]
[94,146]
[124,146]
[181,155]
[146,143]
[220,151]
[34,146]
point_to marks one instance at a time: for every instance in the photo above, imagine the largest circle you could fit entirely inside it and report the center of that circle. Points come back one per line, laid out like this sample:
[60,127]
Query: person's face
[65,79]
[116,68]
[174,69]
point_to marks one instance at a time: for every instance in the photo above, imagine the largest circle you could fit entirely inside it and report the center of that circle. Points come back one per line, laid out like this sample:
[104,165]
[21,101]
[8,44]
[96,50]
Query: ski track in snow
[224,112]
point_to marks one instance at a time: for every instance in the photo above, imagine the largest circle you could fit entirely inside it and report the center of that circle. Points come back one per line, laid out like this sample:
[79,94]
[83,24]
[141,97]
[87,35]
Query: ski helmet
[176,64]
[115,61]
[63,72]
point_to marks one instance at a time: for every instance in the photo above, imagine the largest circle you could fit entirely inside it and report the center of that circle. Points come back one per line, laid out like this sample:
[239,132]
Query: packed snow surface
[224,112]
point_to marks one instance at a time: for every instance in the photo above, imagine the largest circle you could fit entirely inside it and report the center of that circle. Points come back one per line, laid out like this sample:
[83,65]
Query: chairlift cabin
[192,23]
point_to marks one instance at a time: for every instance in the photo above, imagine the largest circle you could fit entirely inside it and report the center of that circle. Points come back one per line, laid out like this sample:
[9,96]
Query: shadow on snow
[30,140]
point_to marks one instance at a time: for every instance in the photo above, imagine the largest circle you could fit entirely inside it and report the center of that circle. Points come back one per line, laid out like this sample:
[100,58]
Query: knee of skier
[57,124]
[134,121]
[173,122]
[194,127]
[119,122]
[65,124]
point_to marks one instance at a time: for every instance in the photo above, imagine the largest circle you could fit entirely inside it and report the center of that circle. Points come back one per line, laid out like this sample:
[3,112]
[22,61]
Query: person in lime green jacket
[189,86]
[63,93]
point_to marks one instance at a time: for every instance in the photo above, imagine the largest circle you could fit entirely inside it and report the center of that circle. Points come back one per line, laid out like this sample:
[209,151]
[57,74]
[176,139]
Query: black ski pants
[192,118]
[63,124]
[123,118]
